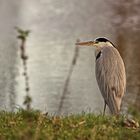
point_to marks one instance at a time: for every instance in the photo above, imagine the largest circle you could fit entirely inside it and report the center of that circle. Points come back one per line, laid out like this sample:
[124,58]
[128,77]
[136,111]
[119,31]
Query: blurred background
[55,26]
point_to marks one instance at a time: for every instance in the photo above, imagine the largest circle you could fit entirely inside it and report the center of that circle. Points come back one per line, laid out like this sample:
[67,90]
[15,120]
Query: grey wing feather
[110,75]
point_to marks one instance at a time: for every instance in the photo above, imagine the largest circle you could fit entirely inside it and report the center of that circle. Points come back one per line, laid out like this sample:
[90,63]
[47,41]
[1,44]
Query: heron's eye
[96,42]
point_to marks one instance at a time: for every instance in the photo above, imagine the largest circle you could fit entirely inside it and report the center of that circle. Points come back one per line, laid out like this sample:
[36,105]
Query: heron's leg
[104,108]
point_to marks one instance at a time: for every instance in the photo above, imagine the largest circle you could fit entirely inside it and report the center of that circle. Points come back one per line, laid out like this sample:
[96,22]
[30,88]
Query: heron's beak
[89,43]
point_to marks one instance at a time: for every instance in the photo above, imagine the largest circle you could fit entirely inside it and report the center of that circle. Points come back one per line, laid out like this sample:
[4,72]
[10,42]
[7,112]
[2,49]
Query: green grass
[32,125]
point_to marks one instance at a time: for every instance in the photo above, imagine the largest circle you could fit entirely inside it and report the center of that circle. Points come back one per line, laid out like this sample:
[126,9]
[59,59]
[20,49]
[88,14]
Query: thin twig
[23,37]
[74,60]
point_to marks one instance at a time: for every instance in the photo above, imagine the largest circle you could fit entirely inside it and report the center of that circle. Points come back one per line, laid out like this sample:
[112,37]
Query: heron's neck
[101,46]
[97,50]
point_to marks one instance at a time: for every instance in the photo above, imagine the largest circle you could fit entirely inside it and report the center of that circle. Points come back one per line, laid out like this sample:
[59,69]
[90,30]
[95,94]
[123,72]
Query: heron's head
[98,42]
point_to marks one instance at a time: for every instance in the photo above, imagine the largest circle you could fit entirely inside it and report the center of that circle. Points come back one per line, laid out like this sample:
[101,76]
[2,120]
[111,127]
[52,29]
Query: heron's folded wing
[110,75]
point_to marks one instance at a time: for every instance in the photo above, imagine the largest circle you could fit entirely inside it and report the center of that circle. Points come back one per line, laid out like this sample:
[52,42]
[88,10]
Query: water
[8,51]
[54,26]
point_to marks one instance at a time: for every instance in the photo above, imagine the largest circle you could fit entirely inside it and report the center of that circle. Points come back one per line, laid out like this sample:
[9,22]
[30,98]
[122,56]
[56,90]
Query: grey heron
[110,73]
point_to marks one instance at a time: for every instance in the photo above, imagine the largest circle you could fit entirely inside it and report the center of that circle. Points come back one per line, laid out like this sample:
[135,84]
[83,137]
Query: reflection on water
[55,27]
